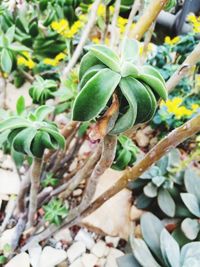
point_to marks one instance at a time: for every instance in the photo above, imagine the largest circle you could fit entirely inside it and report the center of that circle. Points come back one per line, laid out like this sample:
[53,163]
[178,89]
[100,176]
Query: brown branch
[24,187]
[191,60]
[107,20]
[83,39]
[176,137]
[148,18]
[35,184]
[81,175]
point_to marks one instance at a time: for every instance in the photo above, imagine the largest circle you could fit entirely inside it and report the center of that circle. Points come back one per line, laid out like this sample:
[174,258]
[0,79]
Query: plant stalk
[35,184]
[148,18]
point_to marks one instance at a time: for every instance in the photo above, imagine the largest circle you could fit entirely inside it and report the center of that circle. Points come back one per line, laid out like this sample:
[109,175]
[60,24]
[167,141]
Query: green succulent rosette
[102,72]
[126,153]
[31,135]
[42,90]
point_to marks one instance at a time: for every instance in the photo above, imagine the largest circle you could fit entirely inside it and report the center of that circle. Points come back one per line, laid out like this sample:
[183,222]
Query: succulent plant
[160,184]
[9,49]
[102,73]
[31,134]
[42,90]
[170,4]
[191,226]
[126,153]
[55,211]
[158,248]
[50,180]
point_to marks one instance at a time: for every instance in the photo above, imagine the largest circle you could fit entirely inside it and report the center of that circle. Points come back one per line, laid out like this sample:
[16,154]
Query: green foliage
[191,226]
[126,153]
[49,180]
[169,5]
[31,134]
[42,90]
[160,185]
[102,73]
[9,49]
[55,211]
[2,259]
[159,248]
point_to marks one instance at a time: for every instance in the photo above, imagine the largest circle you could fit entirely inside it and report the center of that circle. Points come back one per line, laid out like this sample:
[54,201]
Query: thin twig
[191,60]
[24,186]
[114,24]
[107,20]
[134,10]
[83,39]
[147,40]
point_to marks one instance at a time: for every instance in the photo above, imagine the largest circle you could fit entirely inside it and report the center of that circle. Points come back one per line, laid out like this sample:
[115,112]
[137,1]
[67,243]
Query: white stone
[112,256]
[113,240]
[51,257]
[9,182]
[86,238]
[135,213]
[101,262]
[100,249]
[75,251]
[21,260]
[8,163]
[6,237]
[35,253]
[77,263]
[77,192]
[116,253]
[63,234]
[111,262]
[113,217]
[89,260]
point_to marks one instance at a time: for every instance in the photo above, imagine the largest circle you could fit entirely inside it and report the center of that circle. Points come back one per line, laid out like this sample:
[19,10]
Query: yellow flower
[60,57]
[62,27]
[101,10]
[54,62]
[26,60]
[95,40]
[50,61]
[173,41]
[121,23]
[195,107]
[195,22]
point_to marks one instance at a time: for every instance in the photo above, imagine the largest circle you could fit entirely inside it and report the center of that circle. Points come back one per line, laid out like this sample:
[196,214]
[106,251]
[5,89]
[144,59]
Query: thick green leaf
[142,253]
[13,123]
[42,112]
[18,47]
[22,141]
[150,190]
[153,71]
[130,50]
[127,261]
[6,60]
[106,56]
[151,228]
[158,180]
[122,160]
[156,85]
[87,61]
[192,182]
[129,69]
[94,96]
[166,202]
[57,136]
[90,73]
[190,228]
[20,105]
[190,253]
[10,34]
[170,249]
[127,120]
[191,203]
